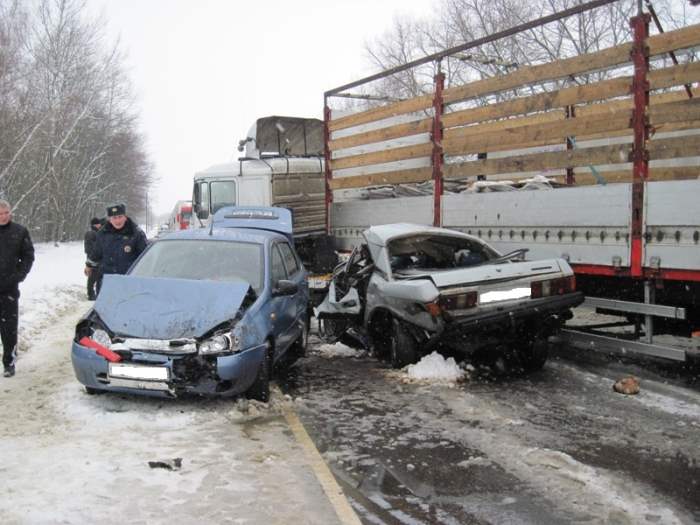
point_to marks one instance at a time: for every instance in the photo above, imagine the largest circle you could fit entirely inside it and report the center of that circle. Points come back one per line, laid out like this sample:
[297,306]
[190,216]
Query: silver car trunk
[495,283]
[484,274]
[495,273]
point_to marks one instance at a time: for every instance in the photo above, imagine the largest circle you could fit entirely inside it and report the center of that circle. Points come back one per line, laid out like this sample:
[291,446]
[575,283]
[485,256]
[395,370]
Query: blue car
[209,311]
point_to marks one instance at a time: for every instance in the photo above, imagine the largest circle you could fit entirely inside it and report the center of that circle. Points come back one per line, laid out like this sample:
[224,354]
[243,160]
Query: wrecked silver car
[411,289]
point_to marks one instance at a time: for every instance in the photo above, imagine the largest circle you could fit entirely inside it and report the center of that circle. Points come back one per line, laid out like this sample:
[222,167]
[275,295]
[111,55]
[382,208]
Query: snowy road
[67,457]
[556,447]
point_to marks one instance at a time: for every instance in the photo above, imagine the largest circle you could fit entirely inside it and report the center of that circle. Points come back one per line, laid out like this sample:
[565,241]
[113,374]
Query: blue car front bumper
[226,375]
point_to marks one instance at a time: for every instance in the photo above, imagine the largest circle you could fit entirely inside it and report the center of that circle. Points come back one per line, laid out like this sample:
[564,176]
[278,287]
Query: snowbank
[329,351]
[435,367]
[55,266]
[55,285]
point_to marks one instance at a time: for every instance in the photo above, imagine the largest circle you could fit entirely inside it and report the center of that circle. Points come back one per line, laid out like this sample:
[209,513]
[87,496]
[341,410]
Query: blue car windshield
[203,260]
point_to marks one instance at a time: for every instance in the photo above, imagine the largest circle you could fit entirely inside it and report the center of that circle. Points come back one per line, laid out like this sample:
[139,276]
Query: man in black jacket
[119,243]
[92,269]
[16,259]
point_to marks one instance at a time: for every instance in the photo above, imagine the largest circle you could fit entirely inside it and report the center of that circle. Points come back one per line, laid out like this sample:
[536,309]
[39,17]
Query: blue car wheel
[299,346]
[260,389]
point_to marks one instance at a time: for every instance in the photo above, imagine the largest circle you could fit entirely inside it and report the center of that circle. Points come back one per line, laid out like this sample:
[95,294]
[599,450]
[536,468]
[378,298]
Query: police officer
[16,259]
[118,244]
[92,269]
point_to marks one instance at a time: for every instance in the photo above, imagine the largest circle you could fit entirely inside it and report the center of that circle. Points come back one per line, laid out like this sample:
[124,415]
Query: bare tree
[71,111]
[462,21]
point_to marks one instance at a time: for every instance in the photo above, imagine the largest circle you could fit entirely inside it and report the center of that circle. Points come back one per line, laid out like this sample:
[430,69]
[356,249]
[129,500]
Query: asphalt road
[557,446]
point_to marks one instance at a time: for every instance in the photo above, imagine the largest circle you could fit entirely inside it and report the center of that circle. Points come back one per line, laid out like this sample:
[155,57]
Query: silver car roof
[385,233]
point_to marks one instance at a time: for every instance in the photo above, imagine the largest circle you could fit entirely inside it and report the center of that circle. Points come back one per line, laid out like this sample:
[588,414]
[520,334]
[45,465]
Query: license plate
[504,295]
[140,384]
[319,281]
[141,372]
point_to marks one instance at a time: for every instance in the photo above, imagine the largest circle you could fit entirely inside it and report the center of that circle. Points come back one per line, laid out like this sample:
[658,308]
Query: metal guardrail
[616,345]
[657,310]
[588,337]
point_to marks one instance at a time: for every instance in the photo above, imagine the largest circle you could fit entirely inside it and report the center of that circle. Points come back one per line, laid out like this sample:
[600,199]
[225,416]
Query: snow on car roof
[384,233]
[226,234]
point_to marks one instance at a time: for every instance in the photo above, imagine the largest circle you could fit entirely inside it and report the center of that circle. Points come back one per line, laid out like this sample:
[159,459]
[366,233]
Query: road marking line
[325,477]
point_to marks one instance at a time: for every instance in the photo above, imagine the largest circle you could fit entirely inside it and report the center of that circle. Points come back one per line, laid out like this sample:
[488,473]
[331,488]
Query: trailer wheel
[260,389]
[403,349]
[533,355]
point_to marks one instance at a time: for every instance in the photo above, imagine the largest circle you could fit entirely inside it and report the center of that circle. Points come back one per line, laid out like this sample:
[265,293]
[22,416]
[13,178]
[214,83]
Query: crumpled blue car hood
[160,308]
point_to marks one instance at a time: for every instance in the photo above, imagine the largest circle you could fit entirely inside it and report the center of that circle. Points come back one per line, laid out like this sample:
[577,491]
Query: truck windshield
[202,259]
[223,193]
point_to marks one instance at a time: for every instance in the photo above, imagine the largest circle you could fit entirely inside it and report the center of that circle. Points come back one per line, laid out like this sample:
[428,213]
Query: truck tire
[404,348]
[260,389]
[533,355]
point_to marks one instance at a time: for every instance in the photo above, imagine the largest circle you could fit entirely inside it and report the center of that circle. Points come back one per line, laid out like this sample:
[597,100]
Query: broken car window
[437,252]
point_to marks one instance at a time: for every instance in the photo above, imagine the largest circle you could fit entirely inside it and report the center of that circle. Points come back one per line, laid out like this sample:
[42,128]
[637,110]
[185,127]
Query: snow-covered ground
[435,367]
[433,442]
[330,351]
[67,457]
[55,286]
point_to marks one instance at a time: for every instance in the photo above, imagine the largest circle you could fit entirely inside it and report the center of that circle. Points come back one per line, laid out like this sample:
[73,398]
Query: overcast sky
[204,70]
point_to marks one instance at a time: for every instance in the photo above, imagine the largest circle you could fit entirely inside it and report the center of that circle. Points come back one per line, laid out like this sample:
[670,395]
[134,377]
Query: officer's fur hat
[116,209]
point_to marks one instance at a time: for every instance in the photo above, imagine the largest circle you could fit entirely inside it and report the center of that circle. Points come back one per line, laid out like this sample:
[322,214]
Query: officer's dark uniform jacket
[116,250]
[89,246]
[16,256]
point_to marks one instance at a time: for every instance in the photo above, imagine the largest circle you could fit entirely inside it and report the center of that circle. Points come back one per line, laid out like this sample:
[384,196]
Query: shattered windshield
[203,260]
[436,252]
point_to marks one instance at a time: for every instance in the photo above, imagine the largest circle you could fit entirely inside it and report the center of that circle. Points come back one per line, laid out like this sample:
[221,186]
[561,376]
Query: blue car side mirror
[284,287]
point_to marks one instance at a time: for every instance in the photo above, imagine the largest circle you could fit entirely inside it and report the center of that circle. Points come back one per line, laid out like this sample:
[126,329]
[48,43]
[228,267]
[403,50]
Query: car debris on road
[627,385]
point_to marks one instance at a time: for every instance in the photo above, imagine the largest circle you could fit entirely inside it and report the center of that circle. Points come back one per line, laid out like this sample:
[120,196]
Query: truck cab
[282,166]
[224,185]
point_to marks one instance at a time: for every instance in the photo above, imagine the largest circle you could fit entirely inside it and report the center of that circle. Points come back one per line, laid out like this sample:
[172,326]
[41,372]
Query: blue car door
[282,305]
[296,274]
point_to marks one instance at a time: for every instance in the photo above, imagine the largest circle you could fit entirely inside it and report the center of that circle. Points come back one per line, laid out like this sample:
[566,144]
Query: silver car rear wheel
[534,354]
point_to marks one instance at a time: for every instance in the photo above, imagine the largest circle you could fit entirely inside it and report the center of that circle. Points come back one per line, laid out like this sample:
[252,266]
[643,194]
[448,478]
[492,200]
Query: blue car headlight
[102,337]
[219,344]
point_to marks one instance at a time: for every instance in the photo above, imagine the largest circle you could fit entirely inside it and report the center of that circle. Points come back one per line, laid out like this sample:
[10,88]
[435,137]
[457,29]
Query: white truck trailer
[621,153]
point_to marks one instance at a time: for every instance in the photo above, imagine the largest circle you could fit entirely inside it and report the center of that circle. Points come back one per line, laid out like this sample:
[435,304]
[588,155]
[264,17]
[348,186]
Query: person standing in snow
[92,269]
[118,243]
[16,259]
